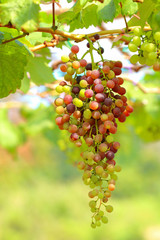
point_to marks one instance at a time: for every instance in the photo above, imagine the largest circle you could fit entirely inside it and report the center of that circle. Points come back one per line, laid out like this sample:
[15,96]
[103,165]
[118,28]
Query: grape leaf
[25,84]
[106,11]
[89,15]
[129,7]
[13,61]
[39,70]
[21,13]
[145,11]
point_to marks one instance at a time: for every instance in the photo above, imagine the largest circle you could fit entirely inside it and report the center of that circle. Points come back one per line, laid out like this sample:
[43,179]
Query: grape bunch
[92,100]
[148,47]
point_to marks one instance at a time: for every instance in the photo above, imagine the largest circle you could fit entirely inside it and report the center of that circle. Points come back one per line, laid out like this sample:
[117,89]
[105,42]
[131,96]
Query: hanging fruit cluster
[92,102]
[148,47]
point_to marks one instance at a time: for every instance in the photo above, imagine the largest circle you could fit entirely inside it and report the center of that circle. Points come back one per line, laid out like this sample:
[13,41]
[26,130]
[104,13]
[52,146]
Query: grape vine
[91,101]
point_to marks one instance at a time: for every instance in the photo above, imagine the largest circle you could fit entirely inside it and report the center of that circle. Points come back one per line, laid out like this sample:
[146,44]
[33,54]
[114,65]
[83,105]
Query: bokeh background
[42,196]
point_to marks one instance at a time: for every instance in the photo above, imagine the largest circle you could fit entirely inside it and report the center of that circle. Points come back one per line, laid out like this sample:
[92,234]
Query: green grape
[104,219]
[70,70]
[66,89]
[136,40]
[149,47]
[150,62]
[100,195]
[145,54]
[92,204]
[98,223]
[132,47]
[65,58]
[87,114]
[152,55]
[134,59]
[101,213]
[142,60]
[93,225]
[157,36]
[109,138]
[97,217]
[109,208]
[59,89]
[93,210]
[137,31]
[143,45]
[77,102]
[82,93]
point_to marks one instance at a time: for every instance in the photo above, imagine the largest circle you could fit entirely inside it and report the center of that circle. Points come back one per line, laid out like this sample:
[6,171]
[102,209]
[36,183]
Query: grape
[132,47]
[110,84]
[137,31]
[89,93]
[59,102]
[92,104]
[95,74]
[68,99]
[157,36]
[136,40]
[101,50]
[65,58]
[134,59]
[89,66]
[156,66]
[75,64]
[75,49]
[83,62]
[83,83]
[96,36]
[63,68]
[70,108]
[99,88]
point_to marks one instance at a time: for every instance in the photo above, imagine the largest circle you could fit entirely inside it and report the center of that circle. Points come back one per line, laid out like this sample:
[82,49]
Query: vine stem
[91,51]
[15,38]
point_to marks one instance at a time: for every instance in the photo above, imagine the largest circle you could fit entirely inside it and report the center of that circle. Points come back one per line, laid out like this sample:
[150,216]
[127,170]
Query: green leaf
[38,37]
[25,83]
[145,11]
[89,15]
[39,70]
[106,11]
[21,13]
[129,7]
[12,61]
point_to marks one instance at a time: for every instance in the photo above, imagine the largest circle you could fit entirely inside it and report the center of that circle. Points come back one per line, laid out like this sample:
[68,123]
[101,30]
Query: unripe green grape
[59,89]
[97,217]
[90,162]
[104,219]
[77,102]
[157,36]
[99,170]
[70,70]
[101,213]
[100,195]
[98,223]
[80,70]
[65,58]
[109,208]
[111,74]
[92,204]
[92,185]
[145,54]
[152,55]
[137,31]
[87,114]
[117,168]
[150,62]
[66,89]
[149,47]
[94,178]
[136,40]
[95,192]
[83,83]
[134,59]
[114,176]
[93,225]
[142,60]
[82,93]
[143,45]
[132,47]
[93,210]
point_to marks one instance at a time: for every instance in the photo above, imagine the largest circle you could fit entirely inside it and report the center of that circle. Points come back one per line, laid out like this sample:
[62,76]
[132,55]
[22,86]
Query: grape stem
[91,51]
